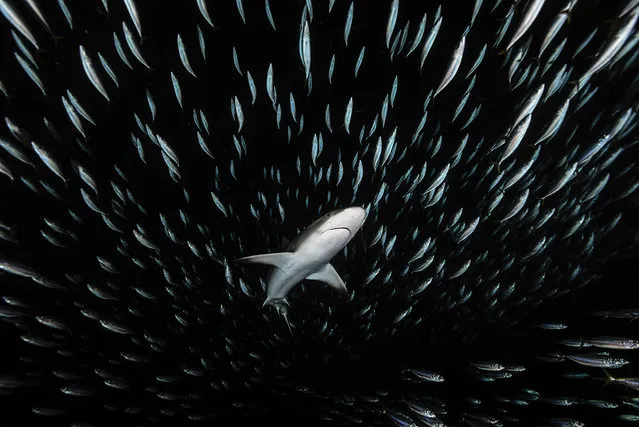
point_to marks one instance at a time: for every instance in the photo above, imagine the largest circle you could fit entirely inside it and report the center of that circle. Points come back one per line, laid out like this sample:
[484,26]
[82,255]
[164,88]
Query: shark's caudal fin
[284,314]
[277,259]
[276,302]
[280,305]
[328,275]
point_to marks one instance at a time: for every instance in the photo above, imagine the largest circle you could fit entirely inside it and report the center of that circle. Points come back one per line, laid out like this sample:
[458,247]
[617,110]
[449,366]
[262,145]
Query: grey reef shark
[308,256]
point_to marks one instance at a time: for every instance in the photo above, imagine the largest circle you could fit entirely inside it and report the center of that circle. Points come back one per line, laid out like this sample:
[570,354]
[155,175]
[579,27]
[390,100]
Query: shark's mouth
[340,228]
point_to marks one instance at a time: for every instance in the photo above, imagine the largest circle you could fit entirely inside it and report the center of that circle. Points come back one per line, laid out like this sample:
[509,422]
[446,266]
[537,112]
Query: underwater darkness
[120,218]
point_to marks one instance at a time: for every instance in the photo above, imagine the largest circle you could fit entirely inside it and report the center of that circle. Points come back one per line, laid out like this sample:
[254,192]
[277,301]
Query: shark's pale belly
[280,282]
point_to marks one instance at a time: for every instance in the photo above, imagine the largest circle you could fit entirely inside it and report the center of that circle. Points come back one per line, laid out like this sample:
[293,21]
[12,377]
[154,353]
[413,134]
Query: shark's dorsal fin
[277,259]
[328,275]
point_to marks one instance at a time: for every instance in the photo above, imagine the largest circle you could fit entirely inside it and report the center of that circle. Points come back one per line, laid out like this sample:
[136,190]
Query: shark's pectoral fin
[277,259]
[328,275]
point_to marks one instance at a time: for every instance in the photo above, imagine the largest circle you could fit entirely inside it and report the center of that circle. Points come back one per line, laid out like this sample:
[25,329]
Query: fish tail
[498,164]
[575,83]
[568,13]
[609,378]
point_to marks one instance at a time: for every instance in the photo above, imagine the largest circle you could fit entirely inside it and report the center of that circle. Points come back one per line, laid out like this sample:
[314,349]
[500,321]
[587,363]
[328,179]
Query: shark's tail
[281,305]
[287,323]
[275,302]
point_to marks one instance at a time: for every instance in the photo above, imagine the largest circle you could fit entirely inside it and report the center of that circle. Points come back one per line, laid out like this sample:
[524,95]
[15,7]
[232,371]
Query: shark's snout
[356,216]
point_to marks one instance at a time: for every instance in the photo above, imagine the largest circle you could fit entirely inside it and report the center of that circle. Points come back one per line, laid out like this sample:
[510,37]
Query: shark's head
[339,226]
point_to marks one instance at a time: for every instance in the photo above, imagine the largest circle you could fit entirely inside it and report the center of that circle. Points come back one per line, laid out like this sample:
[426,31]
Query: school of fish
[492,146]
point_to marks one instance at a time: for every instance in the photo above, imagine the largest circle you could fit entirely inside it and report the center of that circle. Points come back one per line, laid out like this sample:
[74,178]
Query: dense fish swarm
[145,147]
